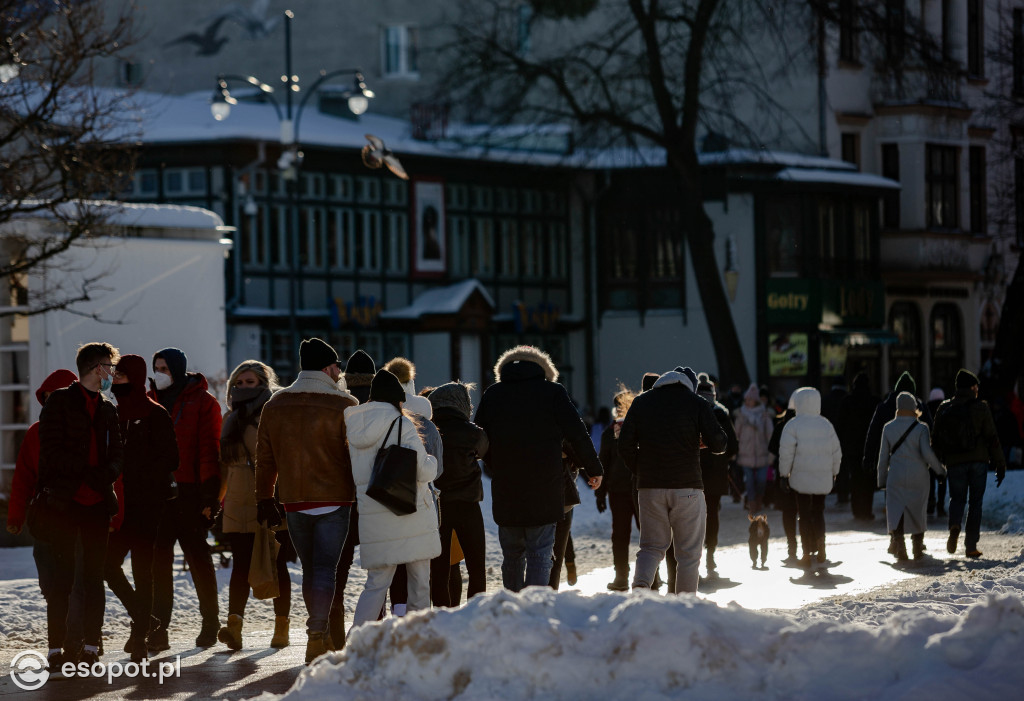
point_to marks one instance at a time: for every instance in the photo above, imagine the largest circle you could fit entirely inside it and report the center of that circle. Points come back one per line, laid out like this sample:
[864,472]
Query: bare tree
[62,142]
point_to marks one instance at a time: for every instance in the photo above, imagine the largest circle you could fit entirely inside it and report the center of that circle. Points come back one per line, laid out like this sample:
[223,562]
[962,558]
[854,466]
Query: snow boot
[157,640]
[280,638]
[570,573]
[315,646]
[620,583]
[892,543]
[917,545]
[901,550]
[231,634]
[954,535]
[208,633]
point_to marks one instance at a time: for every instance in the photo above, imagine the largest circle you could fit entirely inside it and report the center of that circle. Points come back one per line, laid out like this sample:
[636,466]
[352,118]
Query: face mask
[106,383]
[162,381]
[241,395]
[122,390]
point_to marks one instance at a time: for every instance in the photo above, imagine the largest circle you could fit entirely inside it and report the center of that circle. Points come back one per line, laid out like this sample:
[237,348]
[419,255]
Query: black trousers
[241,561]
[811,508]
[138,535]
[562,550]
[465,519]
[623,516]
[787,502]
[185,524]
[862,494]
[90,524]
[713,503]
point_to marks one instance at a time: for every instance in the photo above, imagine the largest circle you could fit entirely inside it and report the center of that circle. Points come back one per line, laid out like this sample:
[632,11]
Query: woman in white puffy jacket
[387,540]
[809,456]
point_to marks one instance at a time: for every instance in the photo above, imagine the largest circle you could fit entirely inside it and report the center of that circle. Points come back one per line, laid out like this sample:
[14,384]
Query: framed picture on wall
[430,245]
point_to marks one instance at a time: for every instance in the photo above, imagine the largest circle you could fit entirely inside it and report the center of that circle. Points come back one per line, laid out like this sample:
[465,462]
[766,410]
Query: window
[1018,52]
[975,38]
[947,344]
[891,199]
[340,238]
[895,30]
[276,227]
[947,30]
[557,253]
[861,235]
[339,187]
[368,242]
[941,187]
[509,248]
[396,234]
[851,148]
[905,354]
[979,187]
[458,228]
[250,233]
[830,244]
[399,49]
[146,182]
[482,261]
[129,74]
[783,239]
[849,49]
[311,238]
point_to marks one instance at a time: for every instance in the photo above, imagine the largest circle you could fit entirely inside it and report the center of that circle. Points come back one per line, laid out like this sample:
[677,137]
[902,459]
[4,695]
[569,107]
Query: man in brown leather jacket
[301,449]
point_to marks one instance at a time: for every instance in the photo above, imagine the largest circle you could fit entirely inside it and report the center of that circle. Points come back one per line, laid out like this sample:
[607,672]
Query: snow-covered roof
[440,300]
[159,216]
[836,177]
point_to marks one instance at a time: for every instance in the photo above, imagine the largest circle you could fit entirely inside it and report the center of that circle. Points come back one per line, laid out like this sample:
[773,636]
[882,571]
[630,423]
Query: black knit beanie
[386,388]
[453,395]
[965,379]
[906,384]
[648,380]
[315,354]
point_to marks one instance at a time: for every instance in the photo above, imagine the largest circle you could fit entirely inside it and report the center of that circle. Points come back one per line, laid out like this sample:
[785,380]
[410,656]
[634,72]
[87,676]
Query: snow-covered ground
[942,630]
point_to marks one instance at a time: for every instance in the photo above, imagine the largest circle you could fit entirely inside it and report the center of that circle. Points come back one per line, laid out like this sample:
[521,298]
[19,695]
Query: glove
[267,513]
[602,504]
[1000,476]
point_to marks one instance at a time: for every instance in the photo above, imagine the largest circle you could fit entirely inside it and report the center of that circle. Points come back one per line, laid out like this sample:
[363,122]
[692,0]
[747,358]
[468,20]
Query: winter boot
[791,559]
[280,638]
[806,561]
[336,628]
[570,573]
[315,646]
[711,561]
[892,544]
[157,640]
[208,633]
[917,545]
[901,549]
[821,550]
[954,535]
[620,583]
[231,634]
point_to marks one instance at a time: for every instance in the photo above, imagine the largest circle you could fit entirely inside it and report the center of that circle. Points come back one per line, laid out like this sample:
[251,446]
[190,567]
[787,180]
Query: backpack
[954,429]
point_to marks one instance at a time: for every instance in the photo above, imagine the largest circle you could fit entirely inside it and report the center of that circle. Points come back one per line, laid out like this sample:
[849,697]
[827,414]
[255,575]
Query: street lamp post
[358,97]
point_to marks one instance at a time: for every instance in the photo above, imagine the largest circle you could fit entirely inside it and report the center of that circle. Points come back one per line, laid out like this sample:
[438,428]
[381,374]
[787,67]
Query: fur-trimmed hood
[672,377]
[527,354]
[317,382]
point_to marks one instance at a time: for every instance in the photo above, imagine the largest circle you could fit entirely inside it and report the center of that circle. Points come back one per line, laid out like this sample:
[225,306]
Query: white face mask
[162,381]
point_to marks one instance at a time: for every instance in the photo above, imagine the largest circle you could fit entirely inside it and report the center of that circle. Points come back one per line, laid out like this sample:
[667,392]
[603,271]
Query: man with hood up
[526,414]
[197,423]
[855,414]
[660,442]
[884,413]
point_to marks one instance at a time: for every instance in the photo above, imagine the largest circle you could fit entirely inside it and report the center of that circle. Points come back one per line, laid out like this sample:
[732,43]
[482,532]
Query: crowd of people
[120,463]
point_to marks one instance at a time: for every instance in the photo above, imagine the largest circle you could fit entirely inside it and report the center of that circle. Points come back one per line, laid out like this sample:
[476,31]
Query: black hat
[315,354]
[359,363]
[648,380]
[965,379]
[386,388]
[906,383]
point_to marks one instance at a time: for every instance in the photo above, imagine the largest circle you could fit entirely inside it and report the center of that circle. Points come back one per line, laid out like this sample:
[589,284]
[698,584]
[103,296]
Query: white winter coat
[384,537]
[809,452]
[904,474]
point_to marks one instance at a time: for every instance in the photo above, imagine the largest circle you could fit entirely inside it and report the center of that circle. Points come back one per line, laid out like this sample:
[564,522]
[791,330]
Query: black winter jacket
[617,477]
[150,458]
[884,413]
[660,438]
[526,417]
[64,442]
[463,442]
[714,467]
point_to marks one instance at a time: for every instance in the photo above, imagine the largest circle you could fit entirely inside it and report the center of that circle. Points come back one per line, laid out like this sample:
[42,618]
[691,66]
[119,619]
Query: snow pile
[541,644]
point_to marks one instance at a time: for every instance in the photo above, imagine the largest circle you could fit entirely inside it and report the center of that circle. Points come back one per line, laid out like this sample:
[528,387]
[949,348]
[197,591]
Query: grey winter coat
[904,474]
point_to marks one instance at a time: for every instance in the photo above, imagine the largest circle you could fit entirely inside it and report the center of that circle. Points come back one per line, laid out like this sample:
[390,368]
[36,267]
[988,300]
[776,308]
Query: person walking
[937,484]
[464,443]
[526,415]
[855,414]
[388,539]
[967,443]
[616,491]
[660,443]
[302,455]
[80,457]
[809,457]
[753,426]
[197,423]
[250,387]
[905,459]
[785,497]
[714,471]
[150,460]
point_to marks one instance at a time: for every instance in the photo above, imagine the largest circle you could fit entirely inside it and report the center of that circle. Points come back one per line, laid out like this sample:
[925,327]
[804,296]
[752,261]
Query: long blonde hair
[623,400]
[265,373]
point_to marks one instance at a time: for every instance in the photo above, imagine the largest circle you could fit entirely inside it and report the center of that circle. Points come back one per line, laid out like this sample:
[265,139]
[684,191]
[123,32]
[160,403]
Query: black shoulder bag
[898,443]
[393,479]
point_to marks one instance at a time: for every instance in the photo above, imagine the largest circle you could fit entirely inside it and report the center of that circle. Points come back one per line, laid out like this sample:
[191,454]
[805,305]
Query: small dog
[759,533]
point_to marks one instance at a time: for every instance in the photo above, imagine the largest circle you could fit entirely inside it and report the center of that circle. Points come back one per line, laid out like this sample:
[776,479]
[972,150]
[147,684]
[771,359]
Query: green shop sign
[793,302]
[837,303]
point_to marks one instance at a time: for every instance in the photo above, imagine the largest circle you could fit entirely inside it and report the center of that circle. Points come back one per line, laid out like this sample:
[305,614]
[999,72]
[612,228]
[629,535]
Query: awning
[859,337]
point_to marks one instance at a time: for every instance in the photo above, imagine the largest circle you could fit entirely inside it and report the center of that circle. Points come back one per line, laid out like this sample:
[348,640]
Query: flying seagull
[207,43]
[253,21]
[376,154]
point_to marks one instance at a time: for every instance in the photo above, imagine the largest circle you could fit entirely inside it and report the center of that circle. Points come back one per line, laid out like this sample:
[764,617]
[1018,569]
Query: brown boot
[917,543]
[315,646]
[901,549]
[280,638]
[231,634]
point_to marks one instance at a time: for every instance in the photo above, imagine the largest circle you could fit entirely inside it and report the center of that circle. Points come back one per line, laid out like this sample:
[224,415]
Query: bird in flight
[376,154]
[207,43]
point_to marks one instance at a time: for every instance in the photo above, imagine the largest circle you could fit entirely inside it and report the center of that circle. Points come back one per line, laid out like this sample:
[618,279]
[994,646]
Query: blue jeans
[526,555]
[757,480]
[318,540]
[967,485]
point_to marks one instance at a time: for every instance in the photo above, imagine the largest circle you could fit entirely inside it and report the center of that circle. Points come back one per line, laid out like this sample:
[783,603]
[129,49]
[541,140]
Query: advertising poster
[787,354]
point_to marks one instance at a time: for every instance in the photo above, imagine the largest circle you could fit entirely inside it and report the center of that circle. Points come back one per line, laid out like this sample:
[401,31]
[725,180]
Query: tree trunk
[1008,354]
[732,368]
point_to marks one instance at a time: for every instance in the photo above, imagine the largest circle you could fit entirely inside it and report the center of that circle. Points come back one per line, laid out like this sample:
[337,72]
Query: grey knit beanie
[452,395]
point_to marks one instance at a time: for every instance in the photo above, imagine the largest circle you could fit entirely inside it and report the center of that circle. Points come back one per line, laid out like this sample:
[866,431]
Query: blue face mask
[105,384]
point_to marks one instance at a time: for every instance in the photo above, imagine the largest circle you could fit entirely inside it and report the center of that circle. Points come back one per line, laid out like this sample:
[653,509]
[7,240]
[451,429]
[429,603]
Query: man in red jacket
[197,419]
